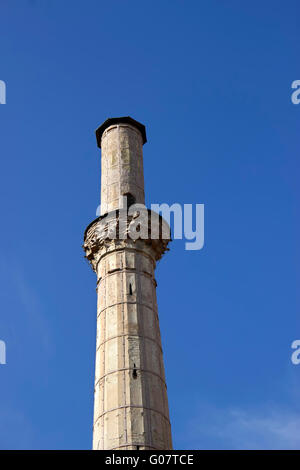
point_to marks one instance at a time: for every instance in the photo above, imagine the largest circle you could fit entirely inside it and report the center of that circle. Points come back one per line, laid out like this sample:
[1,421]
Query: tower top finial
[120,120]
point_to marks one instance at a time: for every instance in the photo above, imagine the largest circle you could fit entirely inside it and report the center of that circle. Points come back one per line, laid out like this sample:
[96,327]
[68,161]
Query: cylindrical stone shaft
[121,166]
[131,405]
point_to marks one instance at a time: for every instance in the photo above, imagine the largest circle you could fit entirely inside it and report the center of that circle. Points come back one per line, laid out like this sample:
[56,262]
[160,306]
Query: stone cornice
[117,231]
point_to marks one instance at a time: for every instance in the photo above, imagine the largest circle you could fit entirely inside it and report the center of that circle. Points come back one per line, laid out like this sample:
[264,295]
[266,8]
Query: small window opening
[134,372]
[130,199]
[130,289]
[137,447]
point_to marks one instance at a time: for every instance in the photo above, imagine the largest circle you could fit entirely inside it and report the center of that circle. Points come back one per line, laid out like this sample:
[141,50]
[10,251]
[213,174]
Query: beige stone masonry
[130,402]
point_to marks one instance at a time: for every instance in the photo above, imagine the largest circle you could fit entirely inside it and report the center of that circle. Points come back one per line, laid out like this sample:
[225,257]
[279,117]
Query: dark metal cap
[120,120]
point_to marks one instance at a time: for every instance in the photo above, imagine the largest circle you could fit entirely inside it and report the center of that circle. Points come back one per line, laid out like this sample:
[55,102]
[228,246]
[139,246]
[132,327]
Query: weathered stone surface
[131,405]
[121,166]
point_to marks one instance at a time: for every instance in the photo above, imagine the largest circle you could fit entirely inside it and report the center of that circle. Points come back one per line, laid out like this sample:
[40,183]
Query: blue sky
[212,83]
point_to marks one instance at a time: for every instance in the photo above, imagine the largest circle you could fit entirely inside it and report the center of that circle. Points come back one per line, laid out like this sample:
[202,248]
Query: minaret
[130,404]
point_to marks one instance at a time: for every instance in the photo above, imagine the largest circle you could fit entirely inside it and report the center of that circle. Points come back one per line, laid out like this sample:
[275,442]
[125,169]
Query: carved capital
[143,230]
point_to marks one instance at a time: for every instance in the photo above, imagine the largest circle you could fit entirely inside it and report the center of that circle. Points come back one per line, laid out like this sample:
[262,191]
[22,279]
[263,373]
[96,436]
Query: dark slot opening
[134,373]
[130,199]
[137,447]
[130,289]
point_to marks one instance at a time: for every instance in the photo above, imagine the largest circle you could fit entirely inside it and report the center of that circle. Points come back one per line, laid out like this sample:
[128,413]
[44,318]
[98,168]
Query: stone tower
[130,404]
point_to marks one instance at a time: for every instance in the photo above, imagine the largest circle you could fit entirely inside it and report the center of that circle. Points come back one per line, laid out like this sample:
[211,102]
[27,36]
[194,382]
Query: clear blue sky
[212,83]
